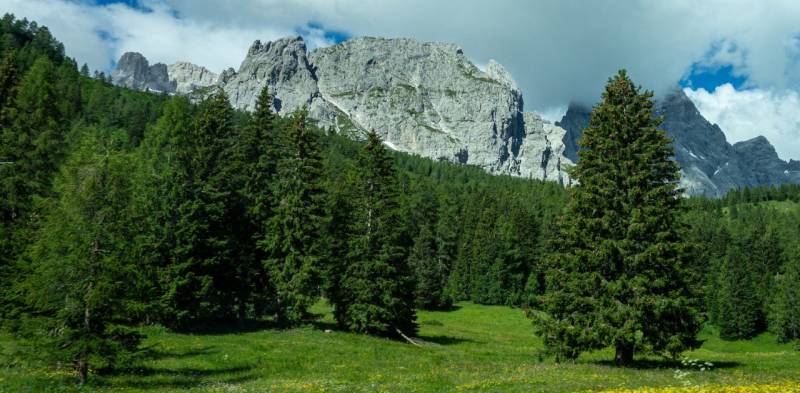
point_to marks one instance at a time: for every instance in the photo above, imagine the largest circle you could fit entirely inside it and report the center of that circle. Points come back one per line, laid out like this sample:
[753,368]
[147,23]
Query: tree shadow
[654,364]
[222,327]
[160,378]
[446,340]
[155,353]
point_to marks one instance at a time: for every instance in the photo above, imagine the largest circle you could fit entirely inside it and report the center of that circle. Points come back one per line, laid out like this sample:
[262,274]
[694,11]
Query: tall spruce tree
[200,279]
[618,276]
[31,148]
[785,310]
[159,190]
[378,283]
[292,240]
[254,168]
[429,271]
[738,307]
[77,294]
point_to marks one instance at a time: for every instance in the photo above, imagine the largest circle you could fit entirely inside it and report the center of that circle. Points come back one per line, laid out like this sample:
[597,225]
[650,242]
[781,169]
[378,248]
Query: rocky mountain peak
[709,164]
[187,77]
[497,72]
[282,65]
[134,71]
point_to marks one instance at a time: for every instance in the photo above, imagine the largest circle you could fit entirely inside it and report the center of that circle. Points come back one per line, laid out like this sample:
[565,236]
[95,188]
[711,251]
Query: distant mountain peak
[709,164]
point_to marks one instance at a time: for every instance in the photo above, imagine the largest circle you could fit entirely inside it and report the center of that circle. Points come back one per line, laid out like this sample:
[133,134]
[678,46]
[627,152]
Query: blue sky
[738,60]
[709,78]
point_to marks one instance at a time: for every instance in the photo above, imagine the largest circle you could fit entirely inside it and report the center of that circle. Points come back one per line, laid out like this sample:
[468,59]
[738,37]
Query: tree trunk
[241,311]
[624,355]
[83,370]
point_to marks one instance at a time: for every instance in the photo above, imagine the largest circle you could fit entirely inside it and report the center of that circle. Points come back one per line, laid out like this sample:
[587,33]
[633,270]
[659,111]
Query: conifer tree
[785,315]
[378,284]
[199,275]
[8,81]
[255,156]
[738,309]
[77,294]
[429,271]
[31,148]
[293,234]
[618,277]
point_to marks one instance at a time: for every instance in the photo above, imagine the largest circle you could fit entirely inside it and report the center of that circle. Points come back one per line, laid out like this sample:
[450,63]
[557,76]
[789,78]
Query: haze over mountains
[430,99]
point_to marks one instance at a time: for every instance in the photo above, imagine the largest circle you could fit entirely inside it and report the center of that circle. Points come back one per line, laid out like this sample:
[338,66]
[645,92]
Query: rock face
[709,164]
[422,98]
[187,77]
[134,71]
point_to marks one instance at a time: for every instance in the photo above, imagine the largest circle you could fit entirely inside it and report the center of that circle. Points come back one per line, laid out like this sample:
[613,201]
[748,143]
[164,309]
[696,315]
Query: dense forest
[120,209]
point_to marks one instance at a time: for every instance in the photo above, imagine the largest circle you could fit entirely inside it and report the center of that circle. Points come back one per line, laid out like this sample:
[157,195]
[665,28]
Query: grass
[475,348]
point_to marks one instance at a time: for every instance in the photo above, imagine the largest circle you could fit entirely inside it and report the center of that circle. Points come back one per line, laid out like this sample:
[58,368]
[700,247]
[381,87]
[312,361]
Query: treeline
[748,260]
[121,208]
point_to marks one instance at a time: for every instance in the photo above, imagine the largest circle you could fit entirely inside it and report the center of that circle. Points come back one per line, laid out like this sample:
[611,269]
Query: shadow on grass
[446,340]
[155,353]
[222,327]
[654,364]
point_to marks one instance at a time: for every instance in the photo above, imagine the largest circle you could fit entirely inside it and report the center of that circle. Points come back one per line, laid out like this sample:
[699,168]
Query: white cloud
[743,114]
[158,34]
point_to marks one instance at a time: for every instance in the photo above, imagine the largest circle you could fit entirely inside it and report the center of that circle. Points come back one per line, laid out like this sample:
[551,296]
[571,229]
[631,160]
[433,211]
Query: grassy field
[473,348]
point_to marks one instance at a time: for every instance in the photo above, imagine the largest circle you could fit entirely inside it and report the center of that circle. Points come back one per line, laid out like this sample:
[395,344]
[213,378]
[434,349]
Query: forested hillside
[122,209]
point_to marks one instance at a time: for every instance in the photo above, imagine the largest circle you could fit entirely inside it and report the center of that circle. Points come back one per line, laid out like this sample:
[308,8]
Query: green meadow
[473,348]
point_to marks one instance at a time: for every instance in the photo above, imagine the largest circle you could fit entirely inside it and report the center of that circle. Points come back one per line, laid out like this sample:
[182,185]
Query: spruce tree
[77,294]
[618,276]
[254,170]
[159,190]
[429,271]
[785,315]
[31,148]
[293,233]
[378,283]
[738,309]
[200,280]
[8,81]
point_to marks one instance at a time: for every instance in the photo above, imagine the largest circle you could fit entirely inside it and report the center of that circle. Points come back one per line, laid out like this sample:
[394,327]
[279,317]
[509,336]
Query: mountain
[422,98]
[428,98]
[135,72]
[709,164]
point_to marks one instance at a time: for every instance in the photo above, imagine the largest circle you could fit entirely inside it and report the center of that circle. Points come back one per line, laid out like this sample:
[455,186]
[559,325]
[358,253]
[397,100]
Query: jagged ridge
[423,98]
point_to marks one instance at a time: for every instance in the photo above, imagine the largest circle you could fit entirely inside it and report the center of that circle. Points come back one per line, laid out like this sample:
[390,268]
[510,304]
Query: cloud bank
[747,113]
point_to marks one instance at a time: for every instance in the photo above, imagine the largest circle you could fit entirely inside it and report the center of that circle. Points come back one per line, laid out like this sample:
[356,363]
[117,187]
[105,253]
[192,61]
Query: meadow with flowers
[473,348]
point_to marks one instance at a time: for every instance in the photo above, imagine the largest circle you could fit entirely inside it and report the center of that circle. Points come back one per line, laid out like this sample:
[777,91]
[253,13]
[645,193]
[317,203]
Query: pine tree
[378,284]
[31,148]
[254,171]
[446,237]
[199,276]
[8,81]
[85,70]
[618,277]
[293,235]
[77,293]
[785,315]
[738,309]
[429,271]
[159,189]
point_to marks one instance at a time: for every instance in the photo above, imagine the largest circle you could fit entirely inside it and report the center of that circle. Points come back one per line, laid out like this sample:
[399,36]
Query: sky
[738,61]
